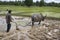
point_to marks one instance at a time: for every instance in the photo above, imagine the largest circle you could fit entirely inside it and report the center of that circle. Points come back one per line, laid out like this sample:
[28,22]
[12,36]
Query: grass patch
[28,11]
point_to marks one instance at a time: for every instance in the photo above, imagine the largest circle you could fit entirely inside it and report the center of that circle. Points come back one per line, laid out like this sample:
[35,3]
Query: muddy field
[47,30]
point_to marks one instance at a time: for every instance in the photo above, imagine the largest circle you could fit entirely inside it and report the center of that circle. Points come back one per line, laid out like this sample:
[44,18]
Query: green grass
[28,11]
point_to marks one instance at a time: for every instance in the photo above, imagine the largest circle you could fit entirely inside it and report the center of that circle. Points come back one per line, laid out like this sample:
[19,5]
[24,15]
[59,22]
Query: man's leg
[8,27]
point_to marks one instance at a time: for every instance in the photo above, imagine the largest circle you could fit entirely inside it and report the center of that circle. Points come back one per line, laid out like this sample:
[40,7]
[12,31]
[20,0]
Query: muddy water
[21,22]
[47,30]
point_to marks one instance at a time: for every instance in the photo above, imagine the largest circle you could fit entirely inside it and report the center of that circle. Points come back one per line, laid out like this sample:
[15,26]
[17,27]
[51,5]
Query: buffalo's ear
[45,16]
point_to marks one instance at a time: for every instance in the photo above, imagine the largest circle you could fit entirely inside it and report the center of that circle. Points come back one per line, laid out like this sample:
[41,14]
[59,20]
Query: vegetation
[28,7]
[26,11]
[31,9]
[41,3]
[30,3]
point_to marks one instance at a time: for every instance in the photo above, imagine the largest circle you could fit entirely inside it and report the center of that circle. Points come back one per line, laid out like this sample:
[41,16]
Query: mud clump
[52,32]
[48,30]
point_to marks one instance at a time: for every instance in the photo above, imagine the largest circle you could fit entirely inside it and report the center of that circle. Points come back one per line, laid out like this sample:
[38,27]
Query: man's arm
[12,19]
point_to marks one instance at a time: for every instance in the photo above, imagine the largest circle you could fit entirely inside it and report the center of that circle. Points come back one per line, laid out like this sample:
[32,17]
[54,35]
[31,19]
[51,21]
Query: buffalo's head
[43,17]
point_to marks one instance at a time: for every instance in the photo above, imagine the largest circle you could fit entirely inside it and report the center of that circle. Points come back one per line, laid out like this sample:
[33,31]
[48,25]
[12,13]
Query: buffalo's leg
[39,22]
[32,23]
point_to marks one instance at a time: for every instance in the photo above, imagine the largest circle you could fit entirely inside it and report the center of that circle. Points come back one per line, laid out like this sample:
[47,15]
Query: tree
[42,3]
[37,3]
[28,3]
[23,3]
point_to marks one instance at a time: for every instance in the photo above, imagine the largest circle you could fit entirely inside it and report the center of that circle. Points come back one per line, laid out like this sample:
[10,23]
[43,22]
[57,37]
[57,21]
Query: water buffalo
[37,18]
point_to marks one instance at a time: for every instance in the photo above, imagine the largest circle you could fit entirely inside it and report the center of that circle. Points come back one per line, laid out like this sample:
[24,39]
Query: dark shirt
[8,18]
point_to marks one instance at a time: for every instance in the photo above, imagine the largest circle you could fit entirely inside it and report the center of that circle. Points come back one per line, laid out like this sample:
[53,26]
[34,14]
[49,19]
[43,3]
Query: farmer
[8,20]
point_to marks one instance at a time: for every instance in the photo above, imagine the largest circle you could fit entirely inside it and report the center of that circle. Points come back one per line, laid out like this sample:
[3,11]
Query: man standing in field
[8,20]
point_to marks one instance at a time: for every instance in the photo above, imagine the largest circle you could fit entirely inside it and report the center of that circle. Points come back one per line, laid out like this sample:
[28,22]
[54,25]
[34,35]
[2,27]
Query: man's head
[9,11]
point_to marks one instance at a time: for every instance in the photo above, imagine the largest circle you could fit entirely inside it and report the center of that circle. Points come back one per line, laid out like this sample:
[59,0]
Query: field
[48,29]
[28,11]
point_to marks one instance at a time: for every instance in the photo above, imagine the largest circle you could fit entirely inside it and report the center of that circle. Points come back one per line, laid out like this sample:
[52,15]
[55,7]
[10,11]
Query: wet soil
[47,30]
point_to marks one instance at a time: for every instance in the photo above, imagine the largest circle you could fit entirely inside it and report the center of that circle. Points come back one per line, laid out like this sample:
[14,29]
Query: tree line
[30,3]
